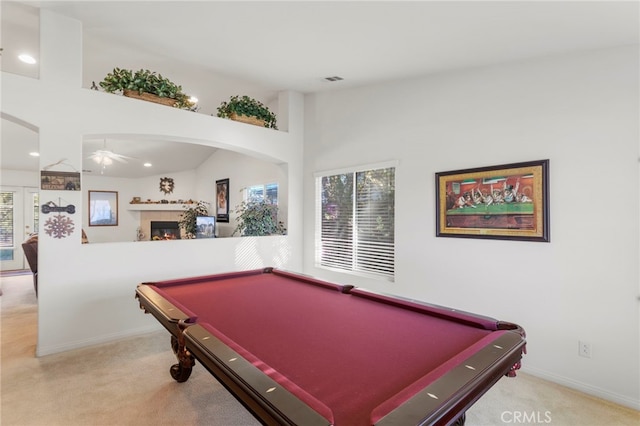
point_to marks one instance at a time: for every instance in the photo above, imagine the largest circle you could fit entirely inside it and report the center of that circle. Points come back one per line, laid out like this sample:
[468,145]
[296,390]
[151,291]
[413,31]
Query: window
[355,220]
[268,193]
[35,205]
[7,233]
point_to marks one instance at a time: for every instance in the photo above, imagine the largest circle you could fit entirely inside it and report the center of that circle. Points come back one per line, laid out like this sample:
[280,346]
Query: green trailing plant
[188,218]
[258,218]
[244,105]
[145,81]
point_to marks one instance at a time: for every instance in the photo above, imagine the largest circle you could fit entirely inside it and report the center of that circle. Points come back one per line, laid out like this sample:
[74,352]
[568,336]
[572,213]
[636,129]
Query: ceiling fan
[105,158]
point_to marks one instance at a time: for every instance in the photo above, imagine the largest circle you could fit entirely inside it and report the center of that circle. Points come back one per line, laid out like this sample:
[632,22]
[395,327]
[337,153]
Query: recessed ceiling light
[147,164]
[34,154]
[27,59]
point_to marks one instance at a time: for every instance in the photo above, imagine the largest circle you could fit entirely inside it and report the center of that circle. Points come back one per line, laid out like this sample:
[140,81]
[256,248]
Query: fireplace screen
[165,231]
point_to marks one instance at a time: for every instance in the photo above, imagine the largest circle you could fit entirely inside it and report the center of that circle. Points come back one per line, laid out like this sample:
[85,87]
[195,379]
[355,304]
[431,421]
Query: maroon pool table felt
[351,356]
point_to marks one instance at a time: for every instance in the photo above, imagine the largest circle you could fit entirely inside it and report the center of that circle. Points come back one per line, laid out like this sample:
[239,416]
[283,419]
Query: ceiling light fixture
[105,158]
[147,164]
[27,59]
[102,158]
[34,154]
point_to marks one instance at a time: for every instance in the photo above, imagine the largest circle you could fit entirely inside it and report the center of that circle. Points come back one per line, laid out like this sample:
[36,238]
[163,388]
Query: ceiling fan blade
[120,158]
[99,154]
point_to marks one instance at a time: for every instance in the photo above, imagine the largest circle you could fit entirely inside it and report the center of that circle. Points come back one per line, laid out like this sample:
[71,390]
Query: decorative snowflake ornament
[59,226]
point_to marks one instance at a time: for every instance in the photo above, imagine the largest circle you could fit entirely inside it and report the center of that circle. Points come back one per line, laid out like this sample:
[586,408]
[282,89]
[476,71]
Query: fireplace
[163,230]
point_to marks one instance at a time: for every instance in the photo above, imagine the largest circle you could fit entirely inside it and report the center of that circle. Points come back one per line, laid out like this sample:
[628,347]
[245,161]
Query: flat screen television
[205,227]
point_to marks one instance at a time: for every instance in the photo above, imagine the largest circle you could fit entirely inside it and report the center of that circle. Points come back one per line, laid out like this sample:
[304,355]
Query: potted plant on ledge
[188,218]
[148,86]
[258,218]
[247,110]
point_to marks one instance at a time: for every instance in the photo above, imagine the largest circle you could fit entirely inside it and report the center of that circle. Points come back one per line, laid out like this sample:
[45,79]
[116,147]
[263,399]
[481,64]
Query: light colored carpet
[128,383]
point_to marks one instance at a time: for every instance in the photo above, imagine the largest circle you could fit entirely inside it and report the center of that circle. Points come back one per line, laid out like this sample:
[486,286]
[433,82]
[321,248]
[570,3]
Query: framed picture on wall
[222,200]
[60,181]
[103,208]
[509,202]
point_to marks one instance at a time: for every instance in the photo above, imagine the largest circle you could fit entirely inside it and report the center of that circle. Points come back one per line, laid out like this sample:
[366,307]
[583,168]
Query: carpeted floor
[128,383]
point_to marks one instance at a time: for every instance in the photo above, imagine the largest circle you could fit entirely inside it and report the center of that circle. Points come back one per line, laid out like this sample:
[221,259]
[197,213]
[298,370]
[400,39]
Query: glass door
[18,218]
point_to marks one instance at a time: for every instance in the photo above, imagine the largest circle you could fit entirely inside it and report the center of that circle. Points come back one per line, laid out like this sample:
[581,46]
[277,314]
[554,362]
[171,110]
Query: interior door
[18,218]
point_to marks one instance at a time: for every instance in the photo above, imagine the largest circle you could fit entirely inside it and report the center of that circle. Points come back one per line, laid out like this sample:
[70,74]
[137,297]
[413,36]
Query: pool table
[295,350]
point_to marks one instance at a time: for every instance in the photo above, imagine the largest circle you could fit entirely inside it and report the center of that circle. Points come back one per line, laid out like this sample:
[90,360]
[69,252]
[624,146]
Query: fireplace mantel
[159,207]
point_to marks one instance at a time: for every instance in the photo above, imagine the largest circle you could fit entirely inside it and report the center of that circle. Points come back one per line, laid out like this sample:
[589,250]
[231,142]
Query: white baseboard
[79,344]
[585,388]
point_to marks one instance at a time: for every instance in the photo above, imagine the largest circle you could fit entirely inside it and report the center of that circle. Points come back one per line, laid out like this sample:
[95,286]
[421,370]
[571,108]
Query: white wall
[19,178]
[242,171]
[579,111]
[85,293]
[128,221]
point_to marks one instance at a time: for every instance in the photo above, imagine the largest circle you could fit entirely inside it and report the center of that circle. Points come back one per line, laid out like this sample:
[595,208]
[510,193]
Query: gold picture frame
[509,202]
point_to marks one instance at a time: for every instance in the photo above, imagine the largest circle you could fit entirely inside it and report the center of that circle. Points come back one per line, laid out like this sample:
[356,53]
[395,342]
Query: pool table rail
[457,315]
[263,396]
[444,400]
[167,313]
[190,341]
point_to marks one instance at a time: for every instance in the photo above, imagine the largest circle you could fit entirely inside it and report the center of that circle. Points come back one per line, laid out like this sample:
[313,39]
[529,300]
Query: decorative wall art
[60,181]
[222,200]
[103,208]
[509,202]
[59,226]
[50,206]
[166,185]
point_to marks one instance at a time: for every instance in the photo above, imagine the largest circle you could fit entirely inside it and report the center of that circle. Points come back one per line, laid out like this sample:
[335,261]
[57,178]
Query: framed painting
[103,208]
[508,202]
[222,200]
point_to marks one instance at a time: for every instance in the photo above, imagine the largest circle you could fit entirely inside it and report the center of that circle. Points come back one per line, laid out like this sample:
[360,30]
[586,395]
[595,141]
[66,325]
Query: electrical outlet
[584,349]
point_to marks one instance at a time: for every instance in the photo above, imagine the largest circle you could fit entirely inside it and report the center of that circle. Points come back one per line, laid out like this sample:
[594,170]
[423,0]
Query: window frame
[318,218]
[248,188]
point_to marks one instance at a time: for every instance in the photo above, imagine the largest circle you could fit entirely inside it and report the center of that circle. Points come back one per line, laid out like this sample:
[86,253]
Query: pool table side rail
[209,278]
[263,396]
[444,400]
[344,288]
[301,278]
[211,352]
[168,314]
[467,318]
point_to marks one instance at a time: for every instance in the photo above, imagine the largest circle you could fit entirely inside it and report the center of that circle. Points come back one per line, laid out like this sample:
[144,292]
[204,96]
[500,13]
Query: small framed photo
[222,200]
[103,208]
[509,202]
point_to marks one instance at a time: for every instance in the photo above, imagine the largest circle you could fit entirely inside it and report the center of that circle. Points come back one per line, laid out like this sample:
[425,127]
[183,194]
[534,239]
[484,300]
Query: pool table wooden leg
[182,370]
[461,420]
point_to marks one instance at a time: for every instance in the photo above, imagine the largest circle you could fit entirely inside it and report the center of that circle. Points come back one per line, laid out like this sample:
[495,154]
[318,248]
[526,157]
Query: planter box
[149,97]
[247,119]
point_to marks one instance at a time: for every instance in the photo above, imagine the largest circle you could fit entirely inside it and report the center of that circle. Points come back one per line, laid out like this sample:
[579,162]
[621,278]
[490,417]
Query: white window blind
[355,221]
[6,220]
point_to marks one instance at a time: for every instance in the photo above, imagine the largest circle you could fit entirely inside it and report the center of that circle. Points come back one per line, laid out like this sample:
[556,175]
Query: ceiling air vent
[334,78]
